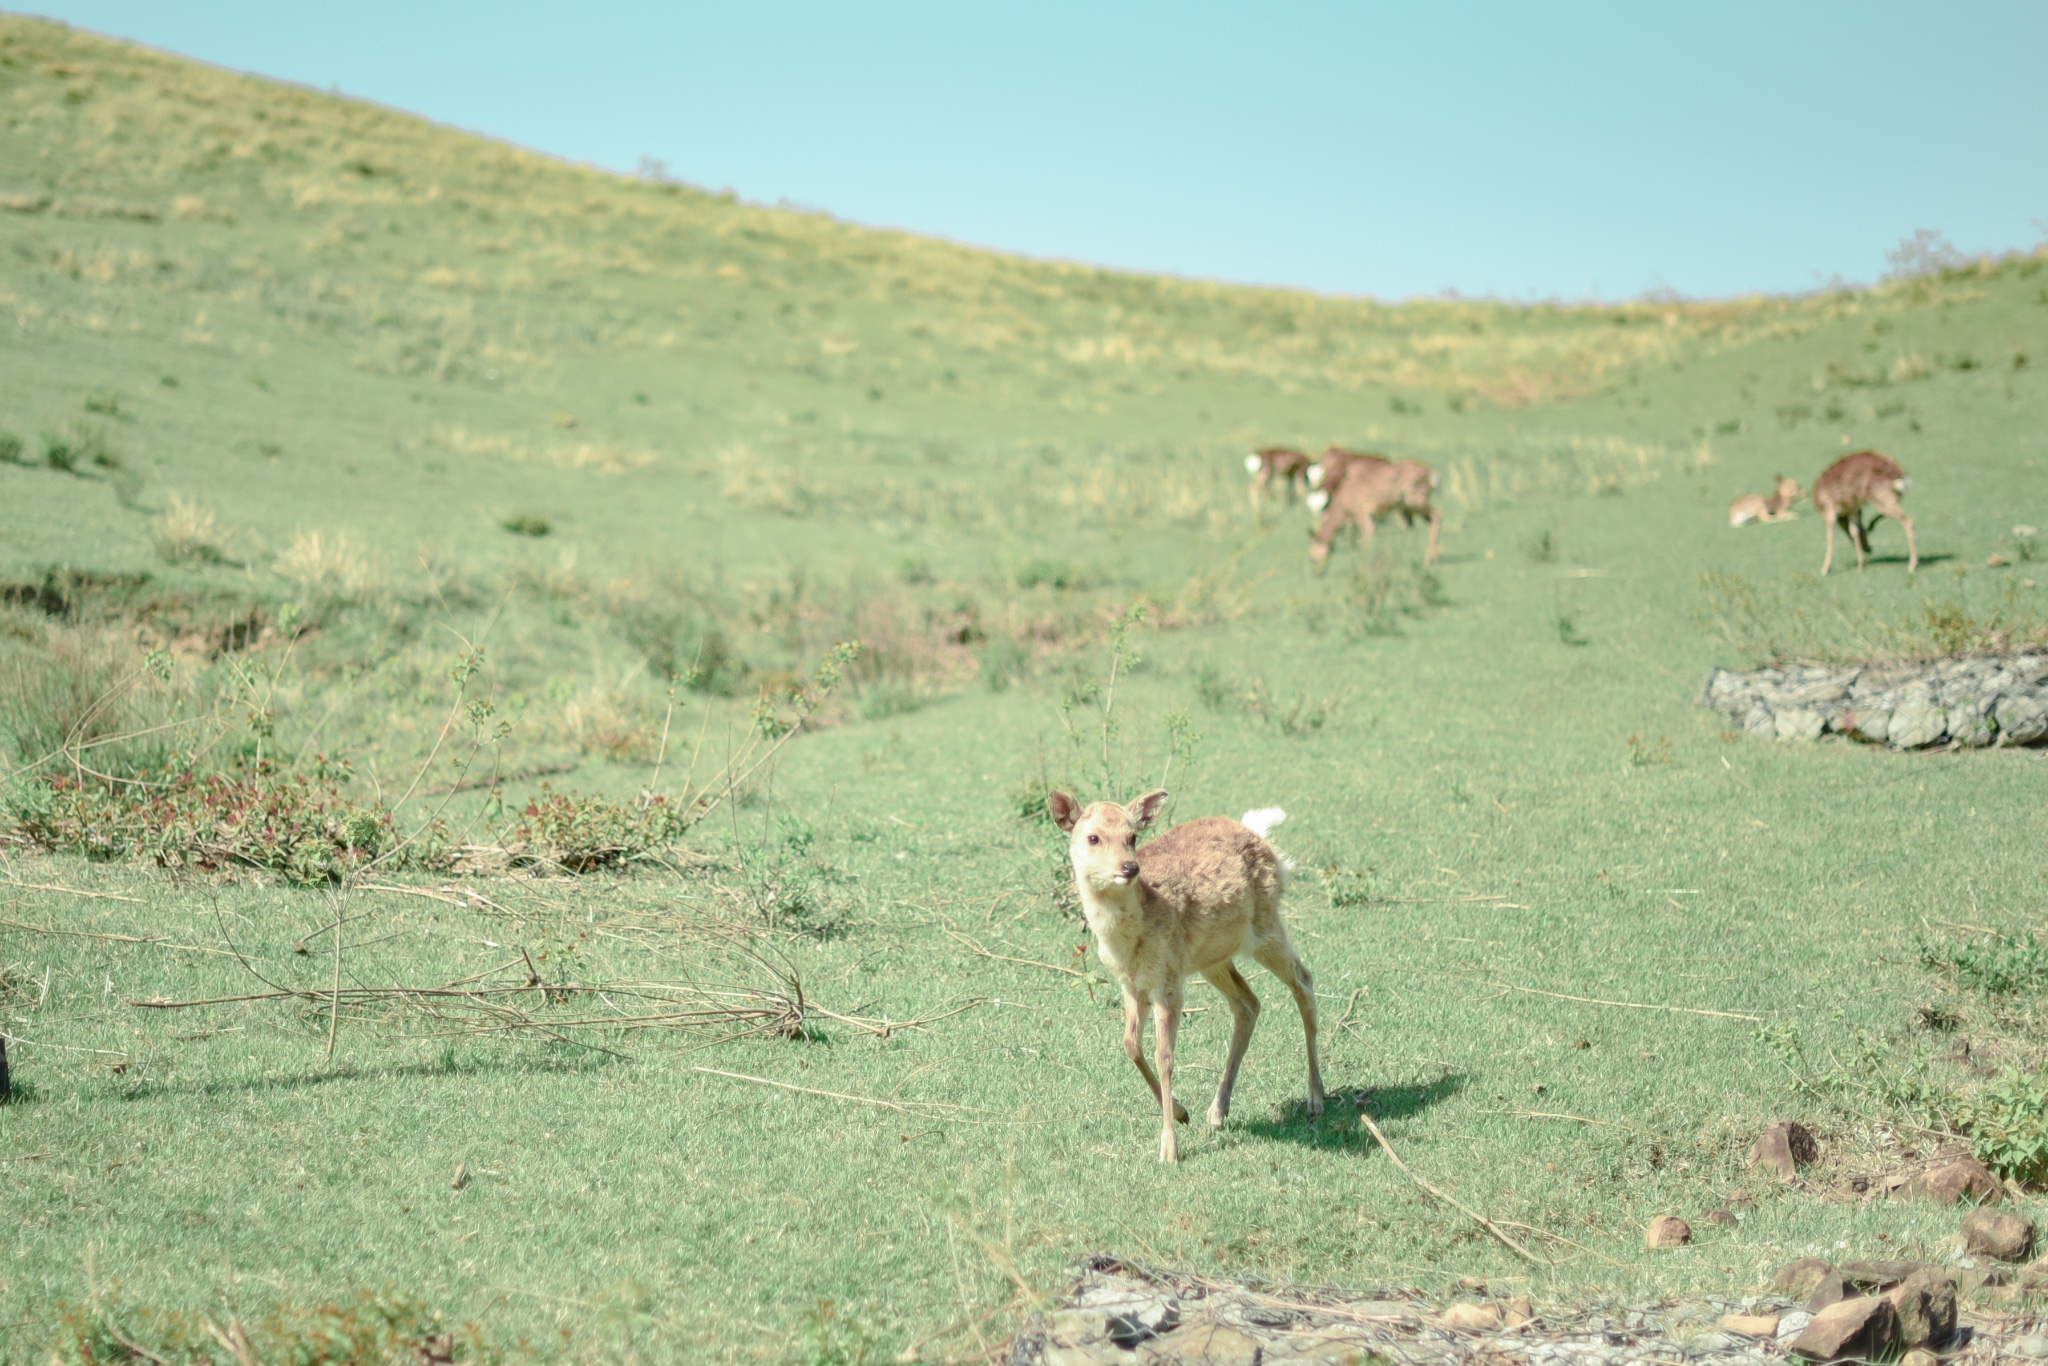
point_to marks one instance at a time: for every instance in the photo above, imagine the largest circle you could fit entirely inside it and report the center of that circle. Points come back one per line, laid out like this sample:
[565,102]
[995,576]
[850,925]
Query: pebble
[2033,1345]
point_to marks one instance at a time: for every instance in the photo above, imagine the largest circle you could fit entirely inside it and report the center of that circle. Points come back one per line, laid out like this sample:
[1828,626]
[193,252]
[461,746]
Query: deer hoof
[1180,1112]
[1169,1150]
[1315,1106]
[1216,1115]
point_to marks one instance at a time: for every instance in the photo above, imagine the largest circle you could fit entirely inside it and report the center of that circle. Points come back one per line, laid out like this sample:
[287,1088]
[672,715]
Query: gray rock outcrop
[1973,702]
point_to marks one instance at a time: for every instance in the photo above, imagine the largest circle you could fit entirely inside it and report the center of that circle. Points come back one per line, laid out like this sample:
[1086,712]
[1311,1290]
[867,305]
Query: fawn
[1854,480]
[1754,507]
[1356,489]
[1290,467]
[1200,895]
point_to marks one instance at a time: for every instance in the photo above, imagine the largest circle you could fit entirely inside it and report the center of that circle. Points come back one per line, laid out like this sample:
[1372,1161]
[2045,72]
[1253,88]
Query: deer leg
[1283,962]
[1134,1045]
[1435,520]
[1327,526]
[1912,551]
[1166,1032]
[1828,515]
[1244,1014]
[1860,534]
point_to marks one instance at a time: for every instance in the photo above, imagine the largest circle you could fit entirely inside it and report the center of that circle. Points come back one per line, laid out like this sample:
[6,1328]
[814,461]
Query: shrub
[10,449]
[188,532]
[2007,1125]
[526,524]
[580,834]
[299,824]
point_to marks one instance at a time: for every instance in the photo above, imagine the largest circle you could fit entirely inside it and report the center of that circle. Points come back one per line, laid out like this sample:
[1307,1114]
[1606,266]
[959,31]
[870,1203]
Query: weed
[1642,753]
[1056,574]
[582,833]
[1299,716]
[383,1326]
[1213,689]
[330,568]
[914,570]
[76,446]
[2007,1125]
[187,533]
[1348,887]
[526,524]
[1998,966]
[1543,548]
[1028,797]
[1564,619]
[10,449]
[1002,662]
[103,401]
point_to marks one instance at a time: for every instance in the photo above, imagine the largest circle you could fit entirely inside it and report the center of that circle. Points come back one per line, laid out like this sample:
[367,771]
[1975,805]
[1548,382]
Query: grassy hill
[305,404]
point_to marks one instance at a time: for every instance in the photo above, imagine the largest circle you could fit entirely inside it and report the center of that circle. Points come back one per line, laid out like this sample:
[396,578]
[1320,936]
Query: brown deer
[1269,463]
[1846,486]
[1356,489]
[1754,507]
[1190,901]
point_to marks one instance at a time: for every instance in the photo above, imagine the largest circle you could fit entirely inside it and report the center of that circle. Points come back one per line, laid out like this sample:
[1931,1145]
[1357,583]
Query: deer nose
[1129,868]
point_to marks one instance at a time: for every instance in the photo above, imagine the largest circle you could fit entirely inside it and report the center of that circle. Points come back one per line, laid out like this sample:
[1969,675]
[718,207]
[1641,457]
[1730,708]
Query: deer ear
[1146,809]
[1062,808]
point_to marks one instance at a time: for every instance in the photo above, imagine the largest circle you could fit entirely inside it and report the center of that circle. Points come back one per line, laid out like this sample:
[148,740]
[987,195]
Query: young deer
[1290,467]
[1357,489]
[1191,901]
[1854,480]
[1754,507]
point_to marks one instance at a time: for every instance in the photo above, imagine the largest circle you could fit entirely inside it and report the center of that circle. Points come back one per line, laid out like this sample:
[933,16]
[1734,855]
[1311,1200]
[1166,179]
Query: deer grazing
[1754,507]
[1354,488]
[1290,467]
[1190,901]
[1845,487]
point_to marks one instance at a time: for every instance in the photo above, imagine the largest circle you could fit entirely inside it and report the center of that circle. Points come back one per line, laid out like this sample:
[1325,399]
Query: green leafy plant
[2007,1125]
[526,524]
[581,834]
[1997,966]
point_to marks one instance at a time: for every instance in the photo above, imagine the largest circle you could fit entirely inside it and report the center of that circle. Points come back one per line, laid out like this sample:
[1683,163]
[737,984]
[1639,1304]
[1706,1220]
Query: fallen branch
[1597,1001]
[981,952]
[907,1107]
[1510,1244]
[70,891]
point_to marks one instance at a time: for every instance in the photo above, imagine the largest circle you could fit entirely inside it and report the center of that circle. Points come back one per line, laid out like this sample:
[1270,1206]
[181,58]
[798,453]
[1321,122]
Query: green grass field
[310,402]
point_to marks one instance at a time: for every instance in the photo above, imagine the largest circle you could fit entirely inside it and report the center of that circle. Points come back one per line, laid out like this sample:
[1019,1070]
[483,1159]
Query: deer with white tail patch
[1190,901]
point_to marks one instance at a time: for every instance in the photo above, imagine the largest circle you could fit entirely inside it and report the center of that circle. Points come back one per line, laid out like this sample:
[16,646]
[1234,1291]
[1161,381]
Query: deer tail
[1262,821]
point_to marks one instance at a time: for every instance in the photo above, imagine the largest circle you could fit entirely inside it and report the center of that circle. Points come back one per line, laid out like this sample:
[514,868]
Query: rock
[1667,1230]
[1831,1289]
[1995,1233]
[1925,1305]
[1212,1344]
[1861,1327]
[1793,1324]
[1970,723]
[1978,1280]
[1799,724]
[1870,724]
[1722,1218]
[1521,1313]
[1750,1325]
[1472,1316]
[1758,721]
[1920,1356]
[1871,1276]
[1916,721]
[1796,1280]
[1784,1147]
[2021,719]
[2033,1345]
[1947,1184]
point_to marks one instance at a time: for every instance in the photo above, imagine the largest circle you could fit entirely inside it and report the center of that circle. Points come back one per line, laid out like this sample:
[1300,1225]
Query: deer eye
[1095,839]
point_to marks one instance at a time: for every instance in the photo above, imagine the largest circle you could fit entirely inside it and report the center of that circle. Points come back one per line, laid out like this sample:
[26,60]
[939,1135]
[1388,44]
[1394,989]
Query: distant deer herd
[1357,488]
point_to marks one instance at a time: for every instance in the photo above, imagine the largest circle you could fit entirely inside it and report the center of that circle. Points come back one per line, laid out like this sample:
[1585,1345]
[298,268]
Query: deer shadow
[1338,1125]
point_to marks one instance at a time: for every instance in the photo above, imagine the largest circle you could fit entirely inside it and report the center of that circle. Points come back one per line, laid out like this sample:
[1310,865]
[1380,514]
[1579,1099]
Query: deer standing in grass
[1290,467]
[1356,489]
[1191,901]
[1754,507]
[1863,477]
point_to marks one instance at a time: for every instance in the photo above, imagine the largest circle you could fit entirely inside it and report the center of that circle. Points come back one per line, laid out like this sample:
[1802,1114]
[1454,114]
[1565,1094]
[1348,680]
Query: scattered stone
[1830,1290]
[1796,1280]
[1873,1276]
[1977,1280]
[1861,1327]
[1784,1148]
[2033,1345]
[1212,1344]
[1667,1230]
[1947,1184]
[1925,1304]
[1750,1325]
[1793,1324]
[1995,1233]
[1722,1218]
[1920,1356]
[1472,1316]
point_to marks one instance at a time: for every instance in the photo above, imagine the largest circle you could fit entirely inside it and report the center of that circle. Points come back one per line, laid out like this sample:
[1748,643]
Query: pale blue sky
[1565,150]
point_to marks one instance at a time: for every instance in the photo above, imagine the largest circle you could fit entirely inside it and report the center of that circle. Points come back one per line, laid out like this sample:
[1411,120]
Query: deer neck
[1115,915]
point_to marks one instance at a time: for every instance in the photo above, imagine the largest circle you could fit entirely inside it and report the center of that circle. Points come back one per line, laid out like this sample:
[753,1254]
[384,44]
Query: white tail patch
[1318,500]
[1262,821]
[1252,464]
[1315,476]
[1903,484]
